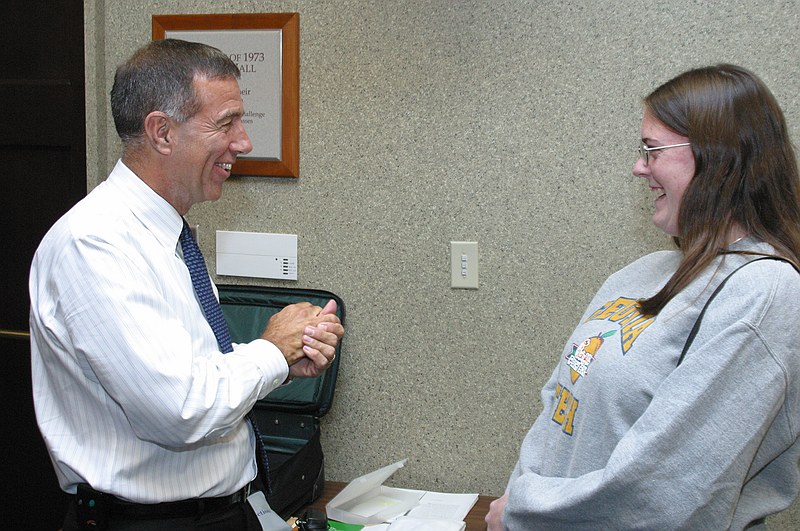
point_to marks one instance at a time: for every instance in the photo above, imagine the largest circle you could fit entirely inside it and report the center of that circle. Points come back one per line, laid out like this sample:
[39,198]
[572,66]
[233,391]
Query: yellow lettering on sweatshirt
[626,313]
[566,406]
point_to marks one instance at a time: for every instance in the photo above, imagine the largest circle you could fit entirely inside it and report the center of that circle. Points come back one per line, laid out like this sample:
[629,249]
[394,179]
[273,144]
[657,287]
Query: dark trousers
[237,517]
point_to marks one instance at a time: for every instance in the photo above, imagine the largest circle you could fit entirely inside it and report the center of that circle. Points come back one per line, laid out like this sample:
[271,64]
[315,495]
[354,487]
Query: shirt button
[276,382]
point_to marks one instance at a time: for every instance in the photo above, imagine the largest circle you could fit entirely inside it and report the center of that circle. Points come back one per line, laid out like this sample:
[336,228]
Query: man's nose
[242,144]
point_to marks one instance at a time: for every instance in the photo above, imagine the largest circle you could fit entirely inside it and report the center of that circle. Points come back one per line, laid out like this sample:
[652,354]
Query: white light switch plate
[464,265]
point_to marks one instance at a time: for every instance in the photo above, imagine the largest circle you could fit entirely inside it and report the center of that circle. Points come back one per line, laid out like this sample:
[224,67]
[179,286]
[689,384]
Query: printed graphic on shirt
[566,406]
[625,312]
[583,355]
[578,361]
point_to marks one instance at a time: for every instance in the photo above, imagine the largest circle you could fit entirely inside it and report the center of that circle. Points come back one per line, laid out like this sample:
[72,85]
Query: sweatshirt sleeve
[714,423]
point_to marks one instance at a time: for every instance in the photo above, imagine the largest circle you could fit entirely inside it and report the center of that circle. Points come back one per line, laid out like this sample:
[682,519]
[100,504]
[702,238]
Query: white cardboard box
[366,501]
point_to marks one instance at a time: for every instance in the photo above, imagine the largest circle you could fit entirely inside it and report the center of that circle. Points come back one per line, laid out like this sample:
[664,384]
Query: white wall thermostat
[257,255]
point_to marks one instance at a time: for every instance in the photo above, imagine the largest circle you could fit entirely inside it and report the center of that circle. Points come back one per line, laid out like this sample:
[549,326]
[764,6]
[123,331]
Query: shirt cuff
[270,361]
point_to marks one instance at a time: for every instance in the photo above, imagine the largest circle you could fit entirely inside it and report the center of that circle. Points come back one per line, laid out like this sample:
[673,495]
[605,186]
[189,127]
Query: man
[142,411]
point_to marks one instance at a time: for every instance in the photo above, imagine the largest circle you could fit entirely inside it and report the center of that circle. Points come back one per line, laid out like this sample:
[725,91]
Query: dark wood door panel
[42,39]
[42,140]
[39,195]
[41,114]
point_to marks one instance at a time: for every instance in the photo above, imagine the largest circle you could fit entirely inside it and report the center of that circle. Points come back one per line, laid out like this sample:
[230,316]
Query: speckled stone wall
[507,122]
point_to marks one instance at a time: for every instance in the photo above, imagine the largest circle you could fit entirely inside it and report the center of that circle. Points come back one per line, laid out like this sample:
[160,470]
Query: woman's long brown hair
[745,168]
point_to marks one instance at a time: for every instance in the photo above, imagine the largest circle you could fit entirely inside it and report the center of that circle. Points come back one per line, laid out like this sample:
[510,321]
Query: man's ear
[158,130]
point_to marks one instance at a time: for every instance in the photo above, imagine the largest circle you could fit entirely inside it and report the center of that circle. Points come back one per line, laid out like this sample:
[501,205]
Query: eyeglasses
[644,150]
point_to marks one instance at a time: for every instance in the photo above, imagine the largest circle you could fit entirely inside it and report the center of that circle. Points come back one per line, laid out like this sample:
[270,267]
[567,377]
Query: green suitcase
[288,417]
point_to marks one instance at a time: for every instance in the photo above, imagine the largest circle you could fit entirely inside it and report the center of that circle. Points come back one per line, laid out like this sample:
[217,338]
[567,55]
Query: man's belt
[176,509]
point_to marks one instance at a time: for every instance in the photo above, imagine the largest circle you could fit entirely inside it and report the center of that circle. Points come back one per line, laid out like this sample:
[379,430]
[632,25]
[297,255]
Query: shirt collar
[151,209]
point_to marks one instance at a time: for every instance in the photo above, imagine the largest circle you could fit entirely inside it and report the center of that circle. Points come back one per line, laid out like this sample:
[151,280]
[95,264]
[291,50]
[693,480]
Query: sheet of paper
[409,523]
[374,505]
[444,505]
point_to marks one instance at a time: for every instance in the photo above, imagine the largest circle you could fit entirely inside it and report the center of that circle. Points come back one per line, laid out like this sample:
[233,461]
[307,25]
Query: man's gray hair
[159,77]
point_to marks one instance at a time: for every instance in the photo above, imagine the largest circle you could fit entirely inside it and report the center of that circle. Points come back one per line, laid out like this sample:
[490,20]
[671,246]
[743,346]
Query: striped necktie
[211,309]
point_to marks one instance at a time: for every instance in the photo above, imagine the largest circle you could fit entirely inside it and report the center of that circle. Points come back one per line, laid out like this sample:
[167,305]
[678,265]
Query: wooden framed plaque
[266,48]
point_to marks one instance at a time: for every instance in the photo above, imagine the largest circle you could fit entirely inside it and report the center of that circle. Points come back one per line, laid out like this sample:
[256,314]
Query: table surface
[474,519]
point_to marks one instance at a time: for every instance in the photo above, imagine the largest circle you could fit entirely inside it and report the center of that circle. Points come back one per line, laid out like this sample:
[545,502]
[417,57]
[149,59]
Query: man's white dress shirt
[131,391]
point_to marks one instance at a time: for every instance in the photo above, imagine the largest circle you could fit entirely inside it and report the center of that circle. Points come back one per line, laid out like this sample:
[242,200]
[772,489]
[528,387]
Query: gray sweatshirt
[627,440]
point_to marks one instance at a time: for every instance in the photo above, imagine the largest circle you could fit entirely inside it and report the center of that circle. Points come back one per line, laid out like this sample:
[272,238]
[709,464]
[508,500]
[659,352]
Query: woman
[633,434]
